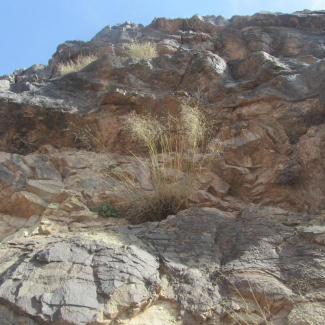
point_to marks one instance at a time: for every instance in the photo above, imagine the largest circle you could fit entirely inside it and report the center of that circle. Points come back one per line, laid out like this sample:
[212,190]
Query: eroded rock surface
[200,267]
[261,76]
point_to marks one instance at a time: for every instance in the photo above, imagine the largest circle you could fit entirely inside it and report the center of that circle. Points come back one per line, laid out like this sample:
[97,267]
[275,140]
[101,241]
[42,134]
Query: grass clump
[143,50]
[77,64]
[179,149]
[176,157]
[106,210]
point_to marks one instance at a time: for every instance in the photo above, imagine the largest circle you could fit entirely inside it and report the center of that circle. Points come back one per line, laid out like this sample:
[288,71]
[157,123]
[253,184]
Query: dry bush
[143,50]
[156,205]
[179,150]
[177,155]
[76,65]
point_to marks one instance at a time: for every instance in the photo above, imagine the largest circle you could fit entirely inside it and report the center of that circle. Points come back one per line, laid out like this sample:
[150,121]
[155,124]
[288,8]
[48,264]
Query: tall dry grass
[142,50]
[178,151]
[77,64]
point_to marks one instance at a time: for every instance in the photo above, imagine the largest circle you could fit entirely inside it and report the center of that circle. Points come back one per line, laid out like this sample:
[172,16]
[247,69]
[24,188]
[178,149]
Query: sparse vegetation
[246,307]
[179,150]
[77,64]
[177,154]
[307,309]
[142,50]
[106,209]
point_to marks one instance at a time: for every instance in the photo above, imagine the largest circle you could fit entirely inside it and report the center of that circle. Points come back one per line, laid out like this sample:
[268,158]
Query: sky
[30,30]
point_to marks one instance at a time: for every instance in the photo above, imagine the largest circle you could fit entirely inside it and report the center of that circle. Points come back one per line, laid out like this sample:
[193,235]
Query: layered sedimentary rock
[251,249]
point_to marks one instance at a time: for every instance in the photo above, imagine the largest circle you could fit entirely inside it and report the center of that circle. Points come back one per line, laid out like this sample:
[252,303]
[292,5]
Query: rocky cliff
[250,250]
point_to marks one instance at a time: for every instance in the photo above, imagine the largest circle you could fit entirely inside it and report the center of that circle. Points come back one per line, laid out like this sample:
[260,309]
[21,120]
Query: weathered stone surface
[11,227]
[9,317]
[46,170]
[85,298]
[49,190]
[232,63]
[13,171]
[7,176]
[203,263]
[262,75]
[26,204]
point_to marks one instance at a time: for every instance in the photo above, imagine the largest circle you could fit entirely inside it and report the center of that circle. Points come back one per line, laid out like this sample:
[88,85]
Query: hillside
[248,245]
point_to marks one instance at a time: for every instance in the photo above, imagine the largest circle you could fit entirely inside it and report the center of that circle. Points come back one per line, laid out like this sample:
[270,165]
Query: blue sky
[31,29]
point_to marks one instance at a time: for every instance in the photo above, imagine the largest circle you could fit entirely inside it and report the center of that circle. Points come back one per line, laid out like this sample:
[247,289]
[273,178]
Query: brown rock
[26,204]
[49,190]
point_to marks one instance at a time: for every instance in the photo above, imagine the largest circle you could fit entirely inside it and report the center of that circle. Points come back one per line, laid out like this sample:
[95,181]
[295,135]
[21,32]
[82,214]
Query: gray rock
[202,259]
[4,85]
[46,170]
[7,177]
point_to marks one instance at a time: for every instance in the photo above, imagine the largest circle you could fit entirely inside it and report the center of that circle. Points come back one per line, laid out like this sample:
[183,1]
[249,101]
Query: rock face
[199,267]
[249,251]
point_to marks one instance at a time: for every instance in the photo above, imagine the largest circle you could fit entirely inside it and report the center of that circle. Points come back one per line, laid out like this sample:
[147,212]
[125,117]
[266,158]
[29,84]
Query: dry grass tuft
[156,205]
[177,154]
[176,158]
[76,65]
[245,307]
[143,50]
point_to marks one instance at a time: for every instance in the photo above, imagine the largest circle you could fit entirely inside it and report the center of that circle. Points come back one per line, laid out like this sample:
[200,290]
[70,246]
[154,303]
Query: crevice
[19,312]
[188,66]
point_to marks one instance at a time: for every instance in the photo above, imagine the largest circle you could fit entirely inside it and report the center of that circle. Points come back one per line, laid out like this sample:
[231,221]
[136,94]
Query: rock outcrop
[250,250]
[200,267]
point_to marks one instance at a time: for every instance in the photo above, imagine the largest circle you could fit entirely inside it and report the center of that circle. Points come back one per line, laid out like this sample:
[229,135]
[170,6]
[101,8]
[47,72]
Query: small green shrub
[76,65]
[106,209]
[144,50]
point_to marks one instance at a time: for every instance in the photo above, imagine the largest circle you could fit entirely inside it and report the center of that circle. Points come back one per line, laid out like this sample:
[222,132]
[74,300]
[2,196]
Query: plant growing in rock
[307,309]
[245,308]
[77,64]
[179,150]
[177,155]
[142,50]
[106,209]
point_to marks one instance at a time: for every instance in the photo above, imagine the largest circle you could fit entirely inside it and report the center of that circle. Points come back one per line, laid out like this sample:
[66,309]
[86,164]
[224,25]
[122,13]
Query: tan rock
[12,226]
[48,190]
